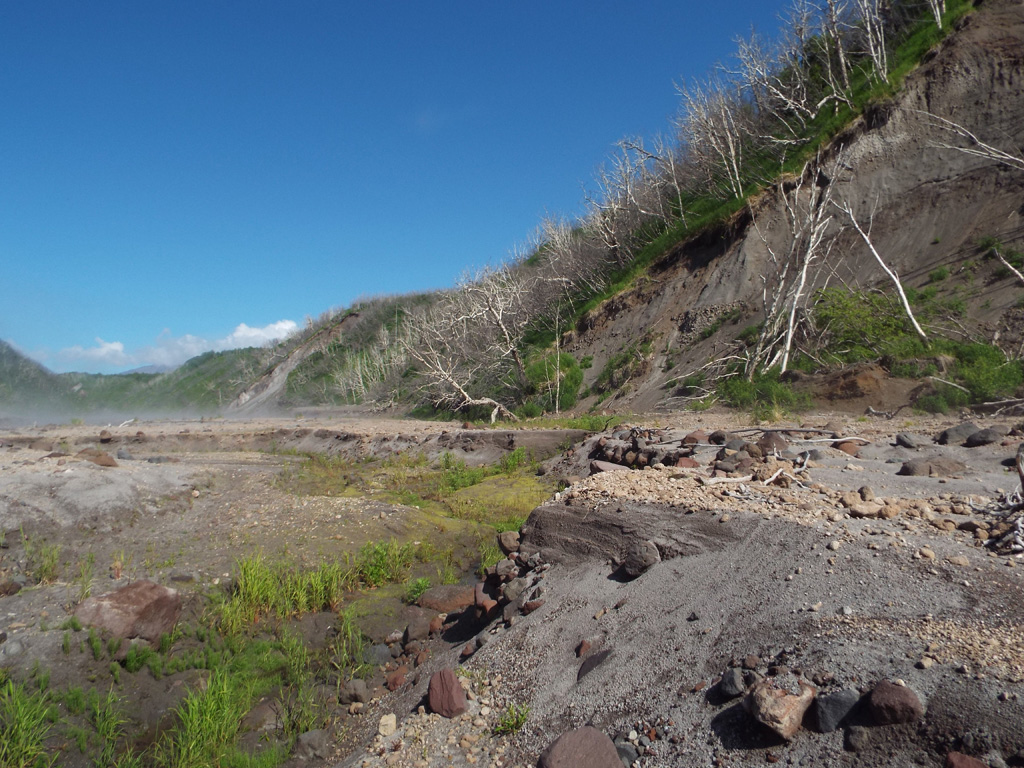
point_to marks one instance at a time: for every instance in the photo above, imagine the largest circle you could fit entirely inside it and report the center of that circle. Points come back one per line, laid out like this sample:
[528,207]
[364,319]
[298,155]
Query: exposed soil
[781,573]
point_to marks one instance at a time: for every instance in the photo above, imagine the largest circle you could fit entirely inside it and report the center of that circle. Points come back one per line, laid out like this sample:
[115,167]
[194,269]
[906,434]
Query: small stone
[731,685]
[834,545]
[777,708]
[388,725]
[857,738]
[926,662]
[925,553]
[890,703]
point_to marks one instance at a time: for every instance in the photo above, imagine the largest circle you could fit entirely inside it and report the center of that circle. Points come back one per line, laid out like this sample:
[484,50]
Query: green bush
[552,375]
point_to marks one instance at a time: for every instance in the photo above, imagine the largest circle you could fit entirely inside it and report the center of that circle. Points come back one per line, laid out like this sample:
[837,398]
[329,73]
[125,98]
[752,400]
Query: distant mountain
[149,369]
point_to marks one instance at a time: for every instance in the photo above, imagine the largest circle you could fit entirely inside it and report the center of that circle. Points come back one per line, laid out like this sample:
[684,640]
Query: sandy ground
[783,574]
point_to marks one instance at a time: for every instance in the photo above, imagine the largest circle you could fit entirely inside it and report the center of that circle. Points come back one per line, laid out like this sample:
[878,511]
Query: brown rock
[105,436]
[142,609]
[960,760]
[685,462]
[890,704]
[772,442]
[606,466]
[448,598]
[778,709]
[508,541]
[396,679]
[585,746]
[582,648]
[531,605]
[695,437]
[467,650]
[445,695]
[847,446]
[436,625]
[97,457]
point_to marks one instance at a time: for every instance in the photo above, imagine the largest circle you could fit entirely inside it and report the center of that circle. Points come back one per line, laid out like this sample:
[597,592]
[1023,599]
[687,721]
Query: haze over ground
[184,177]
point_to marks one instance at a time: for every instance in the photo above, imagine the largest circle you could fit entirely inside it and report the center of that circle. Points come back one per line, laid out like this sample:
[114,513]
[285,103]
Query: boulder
[983,437]
[639,557]
[354,690]
[584,746]
[97,457]
[445,694]
[143,609]
[911,441]
[890,704]
[958,434]
[732,685]
[508,541]
[832,708]
[772,442]
[936,466]
[777,708]
[417,629]
[606,466]
[447,598]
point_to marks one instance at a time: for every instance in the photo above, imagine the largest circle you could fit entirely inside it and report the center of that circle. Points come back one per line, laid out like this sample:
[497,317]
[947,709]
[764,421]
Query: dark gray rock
[958,434]
[833,707]
[911,441]
[937,466]
[354,690]
[377,654]
[639,557]
[313,744]
[983,437]
[731,685]
[627,753]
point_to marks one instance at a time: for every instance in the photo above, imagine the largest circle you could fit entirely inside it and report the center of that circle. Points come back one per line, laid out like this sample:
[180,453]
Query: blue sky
[176,177]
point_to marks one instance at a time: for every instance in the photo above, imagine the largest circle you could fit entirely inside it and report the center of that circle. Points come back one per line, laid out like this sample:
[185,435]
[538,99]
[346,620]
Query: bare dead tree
[808,240]
[496,301]
[834,31]
[672,171]
[712,126]
[865,235]
[938,8]
[451,357]
[975,146]
[871,22]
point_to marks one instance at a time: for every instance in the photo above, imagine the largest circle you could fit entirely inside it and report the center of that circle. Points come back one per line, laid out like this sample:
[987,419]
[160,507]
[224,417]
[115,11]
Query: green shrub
[415,589]
[552,375]
[938,275]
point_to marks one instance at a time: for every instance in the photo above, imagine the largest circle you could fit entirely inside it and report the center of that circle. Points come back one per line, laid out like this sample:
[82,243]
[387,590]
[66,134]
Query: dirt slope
[930,207]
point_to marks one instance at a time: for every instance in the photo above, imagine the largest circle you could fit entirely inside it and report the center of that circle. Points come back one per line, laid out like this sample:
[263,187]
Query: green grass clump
[208,723]
[380,563]
[416,588]
[511,720]
[765,395]
[25,722]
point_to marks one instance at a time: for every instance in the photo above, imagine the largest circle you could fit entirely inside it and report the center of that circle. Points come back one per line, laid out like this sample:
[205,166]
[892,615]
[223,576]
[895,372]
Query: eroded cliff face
[927,206]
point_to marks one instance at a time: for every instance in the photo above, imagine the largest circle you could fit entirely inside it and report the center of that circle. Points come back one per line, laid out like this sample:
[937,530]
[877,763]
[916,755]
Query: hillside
[685,272]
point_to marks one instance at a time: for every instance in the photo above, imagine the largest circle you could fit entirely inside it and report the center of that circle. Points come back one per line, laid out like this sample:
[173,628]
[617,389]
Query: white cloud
[170,350]
[107,353]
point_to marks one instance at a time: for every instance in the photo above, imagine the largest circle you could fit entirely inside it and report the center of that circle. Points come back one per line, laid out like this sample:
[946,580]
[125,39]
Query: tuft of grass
[380,563]
[511,720]
[416,588]
[25,722]
[208,723]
